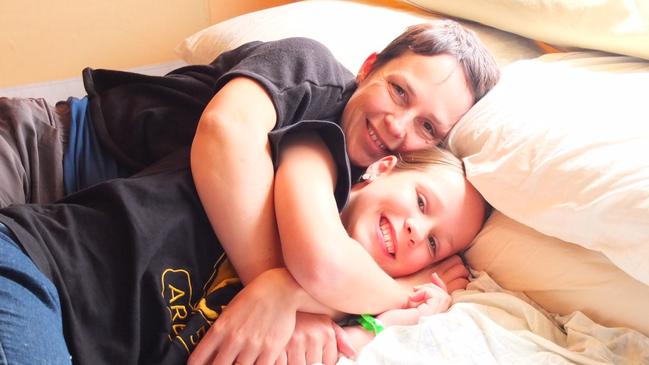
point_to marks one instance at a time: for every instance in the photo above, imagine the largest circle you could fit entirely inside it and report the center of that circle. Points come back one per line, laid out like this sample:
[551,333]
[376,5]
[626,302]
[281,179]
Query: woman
[405,98]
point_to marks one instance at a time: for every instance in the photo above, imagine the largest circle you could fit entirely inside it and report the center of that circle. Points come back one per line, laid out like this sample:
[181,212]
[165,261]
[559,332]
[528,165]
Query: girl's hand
[430,298]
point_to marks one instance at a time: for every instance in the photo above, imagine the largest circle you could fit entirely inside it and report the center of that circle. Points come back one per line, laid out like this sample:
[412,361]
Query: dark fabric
[111,249]
[131,259]
[332,135]
[85,162]
[32,140]
[140,119]
[187,332]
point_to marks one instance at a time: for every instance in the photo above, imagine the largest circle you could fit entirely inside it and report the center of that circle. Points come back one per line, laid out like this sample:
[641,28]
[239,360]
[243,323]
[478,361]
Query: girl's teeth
[385,230]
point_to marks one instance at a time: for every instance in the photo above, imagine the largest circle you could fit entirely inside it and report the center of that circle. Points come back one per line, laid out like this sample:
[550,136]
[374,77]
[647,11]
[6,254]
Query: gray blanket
[33,136]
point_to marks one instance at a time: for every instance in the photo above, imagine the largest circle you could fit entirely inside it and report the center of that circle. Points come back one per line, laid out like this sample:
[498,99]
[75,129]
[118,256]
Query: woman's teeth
[375,138]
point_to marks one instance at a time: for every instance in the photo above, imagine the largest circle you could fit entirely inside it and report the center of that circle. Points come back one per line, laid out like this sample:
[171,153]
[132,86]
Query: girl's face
[407,219]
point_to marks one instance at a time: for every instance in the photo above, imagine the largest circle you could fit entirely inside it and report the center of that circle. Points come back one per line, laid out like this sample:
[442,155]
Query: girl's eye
[432,245]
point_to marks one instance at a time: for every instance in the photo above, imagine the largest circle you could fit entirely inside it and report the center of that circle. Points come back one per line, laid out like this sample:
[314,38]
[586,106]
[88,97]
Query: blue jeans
[31,328]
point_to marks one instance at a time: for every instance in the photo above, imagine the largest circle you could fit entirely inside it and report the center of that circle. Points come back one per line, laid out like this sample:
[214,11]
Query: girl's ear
[382,166]
[366,67]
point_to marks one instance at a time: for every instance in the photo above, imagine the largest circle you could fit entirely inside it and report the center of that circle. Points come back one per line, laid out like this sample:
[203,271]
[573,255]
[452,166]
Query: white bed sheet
[489,325]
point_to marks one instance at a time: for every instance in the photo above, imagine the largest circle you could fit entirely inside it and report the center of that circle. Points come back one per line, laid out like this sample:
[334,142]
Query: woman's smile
[374,136]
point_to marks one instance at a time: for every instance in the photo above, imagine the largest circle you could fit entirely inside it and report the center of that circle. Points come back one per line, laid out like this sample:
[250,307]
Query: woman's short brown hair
[451,38]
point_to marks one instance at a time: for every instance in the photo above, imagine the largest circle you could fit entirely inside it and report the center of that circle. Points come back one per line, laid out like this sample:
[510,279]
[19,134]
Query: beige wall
[43,40]
[225,9]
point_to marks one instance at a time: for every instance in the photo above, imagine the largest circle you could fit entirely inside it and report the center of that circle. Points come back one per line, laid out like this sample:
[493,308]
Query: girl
[117,272]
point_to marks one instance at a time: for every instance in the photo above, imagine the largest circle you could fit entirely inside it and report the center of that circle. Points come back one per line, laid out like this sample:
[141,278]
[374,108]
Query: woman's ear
[382,166]
[366,67]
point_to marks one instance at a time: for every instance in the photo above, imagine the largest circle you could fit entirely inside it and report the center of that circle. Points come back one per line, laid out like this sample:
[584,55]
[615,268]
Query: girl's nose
[414,236]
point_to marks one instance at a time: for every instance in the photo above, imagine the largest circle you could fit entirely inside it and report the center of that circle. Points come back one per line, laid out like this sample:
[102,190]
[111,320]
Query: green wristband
[370,323]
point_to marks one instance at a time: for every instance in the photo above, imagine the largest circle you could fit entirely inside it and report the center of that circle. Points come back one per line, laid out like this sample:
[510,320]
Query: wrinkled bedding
[489,325]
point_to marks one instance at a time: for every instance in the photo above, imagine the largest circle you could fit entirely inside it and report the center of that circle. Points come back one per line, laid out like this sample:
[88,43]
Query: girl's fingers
[435,279]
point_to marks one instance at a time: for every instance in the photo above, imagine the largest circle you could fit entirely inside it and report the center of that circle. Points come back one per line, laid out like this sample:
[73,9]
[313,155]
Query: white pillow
[618,26]
[351,30]
[561,277]
[562,145]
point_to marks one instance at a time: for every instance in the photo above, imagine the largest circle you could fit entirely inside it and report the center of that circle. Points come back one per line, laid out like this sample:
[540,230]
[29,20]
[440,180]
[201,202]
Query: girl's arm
[425,300]
[318,252]
[233,173]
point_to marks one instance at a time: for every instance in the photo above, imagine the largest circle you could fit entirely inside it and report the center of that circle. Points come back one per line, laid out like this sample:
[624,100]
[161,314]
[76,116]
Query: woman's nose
[396,124]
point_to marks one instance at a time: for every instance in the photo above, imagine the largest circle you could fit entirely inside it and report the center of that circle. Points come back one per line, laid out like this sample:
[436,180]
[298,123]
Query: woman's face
[408,104]
[407,220]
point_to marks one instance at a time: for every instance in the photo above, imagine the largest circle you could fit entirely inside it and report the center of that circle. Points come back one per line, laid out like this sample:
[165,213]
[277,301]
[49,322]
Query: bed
[560,150]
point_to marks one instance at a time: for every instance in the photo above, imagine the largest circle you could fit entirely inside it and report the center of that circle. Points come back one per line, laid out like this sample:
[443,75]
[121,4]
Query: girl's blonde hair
[431,158]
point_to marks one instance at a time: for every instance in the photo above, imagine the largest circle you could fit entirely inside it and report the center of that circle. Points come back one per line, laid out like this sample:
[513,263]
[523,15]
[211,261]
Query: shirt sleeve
[301,75]
[333,137]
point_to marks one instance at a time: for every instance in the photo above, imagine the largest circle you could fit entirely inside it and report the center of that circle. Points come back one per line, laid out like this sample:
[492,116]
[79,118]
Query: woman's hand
[256,325]
[313,341]
[453,273]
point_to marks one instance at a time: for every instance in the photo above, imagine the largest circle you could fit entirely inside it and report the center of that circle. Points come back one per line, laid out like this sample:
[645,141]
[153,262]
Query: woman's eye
[398,90]
[421,203]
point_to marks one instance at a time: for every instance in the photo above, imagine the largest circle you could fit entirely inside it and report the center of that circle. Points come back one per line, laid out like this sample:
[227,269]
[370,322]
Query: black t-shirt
[113,250]
[140,119]
[131,257]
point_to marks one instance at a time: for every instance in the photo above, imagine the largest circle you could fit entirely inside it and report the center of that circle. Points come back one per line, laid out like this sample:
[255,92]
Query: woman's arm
[257,324]
[233,172]
[317,250]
